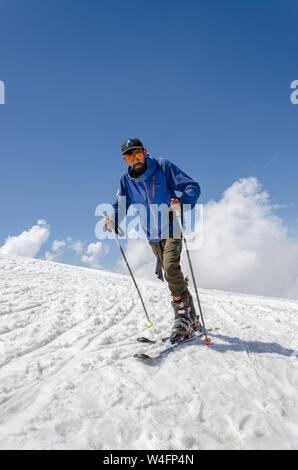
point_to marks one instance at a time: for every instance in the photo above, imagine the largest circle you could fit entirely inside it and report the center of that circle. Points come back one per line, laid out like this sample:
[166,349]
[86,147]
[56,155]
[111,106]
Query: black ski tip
[142,339]
[142,356]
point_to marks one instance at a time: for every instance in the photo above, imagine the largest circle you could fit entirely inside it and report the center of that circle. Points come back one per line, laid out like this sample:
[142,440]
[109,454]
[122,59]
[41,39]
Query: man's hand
[109,222]
[175,204]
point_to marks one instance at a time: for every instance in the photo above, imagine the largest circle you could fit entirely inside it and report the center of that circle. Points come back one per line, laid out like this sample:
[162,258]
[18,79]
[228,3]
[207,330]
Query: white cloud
[41,222]
[246,247]
[57,251]
[94,252]
[28,243]
[58,244]
[90,254]
[77,247]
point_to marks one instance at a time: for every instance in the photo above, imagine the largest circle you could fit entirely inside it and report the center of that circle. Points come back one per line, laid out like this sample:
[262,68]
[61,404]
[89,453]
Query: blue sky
[205,84]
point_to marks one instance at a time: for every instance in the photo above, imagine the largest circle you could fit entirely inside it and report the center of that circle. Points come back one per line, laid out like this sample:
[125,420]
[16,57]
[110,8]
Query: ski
[143,339]
[169,347]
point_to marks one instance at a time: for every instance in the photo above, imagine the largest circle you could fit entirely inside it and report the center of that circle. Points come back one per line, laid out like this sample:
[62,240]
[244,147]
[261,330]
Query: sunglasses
[129,158]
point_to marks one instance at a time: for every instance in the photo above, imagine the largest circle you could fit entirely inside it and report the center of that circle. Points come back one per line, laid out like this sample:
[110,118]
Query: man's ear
[145,152]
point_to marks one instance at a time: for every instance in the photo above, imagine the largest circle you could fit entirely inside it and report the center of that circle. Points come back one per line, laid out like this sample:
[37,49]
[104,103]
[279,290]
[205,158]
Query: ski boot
[196,325]
[183,318]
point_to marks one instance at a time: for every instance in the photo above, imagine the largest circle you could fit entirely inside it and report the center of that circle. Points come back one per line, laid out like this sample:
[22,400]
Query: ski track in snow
[68,379]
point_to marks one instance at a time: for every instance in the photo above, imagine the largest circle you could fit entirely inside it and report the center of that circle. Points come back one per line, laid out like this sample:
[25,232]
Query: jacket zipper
[151,211]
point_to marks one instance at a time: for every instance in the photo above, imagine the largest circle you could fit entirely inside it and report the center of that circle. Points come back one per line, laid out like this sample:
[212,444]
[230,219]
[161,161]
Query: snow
[68,379]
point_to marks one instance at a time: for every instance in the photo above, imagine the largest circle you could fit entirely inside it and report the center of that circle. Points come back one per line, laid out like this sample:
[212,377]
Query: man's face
[137,164]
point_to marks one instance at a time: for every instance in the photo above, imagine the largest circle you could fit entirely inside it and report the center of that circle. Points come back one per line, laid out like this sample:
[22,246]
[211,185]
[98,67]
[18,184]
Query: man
[151,185]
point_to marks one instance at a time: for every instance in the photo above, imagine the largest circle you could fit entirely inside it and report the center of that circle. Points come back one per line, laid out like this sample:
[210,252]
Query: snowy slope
[68,379]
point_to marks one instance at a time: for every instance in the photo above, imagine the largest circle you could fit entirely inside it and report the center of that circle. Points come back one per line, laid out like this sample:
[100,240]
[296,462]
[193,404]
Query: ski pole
[150,323]
[178,216]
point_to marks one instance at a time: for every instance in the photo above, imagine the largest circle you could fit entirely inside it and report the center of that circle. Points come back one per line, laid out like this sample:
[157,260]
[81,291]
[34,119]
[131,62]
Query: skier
[150,182]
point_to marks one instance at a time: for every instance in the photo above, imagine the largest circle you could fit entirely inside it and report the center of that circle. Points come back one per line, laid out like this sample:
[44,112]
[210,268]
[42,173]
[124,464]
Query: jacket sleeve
[180,181]
[121,204]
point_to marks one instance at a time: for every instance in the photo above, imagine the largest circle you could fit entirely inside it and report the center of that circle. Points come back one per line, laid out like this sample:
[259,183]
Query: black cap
[131,144]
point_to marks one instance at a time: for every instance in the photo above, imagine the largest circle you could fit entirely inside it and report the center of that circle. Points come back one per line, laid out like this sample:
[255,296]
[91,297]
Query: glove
[109,222]
[175,204]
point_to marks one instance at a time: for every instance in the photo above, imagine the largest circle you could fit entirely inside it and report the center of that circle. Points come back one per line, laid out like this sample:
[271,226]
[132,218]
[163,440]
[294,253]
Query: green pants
[169,251]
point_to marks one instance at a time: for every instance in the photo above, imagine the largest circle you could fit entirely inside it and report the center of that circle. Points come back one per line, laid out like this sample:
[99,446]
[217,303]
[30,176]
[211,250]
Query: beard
[139,165]
[139,168]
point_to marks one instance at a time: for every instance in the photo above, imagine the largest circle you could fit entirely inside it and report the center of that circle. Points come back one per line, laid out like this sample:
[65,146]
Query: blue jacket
[150,195]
